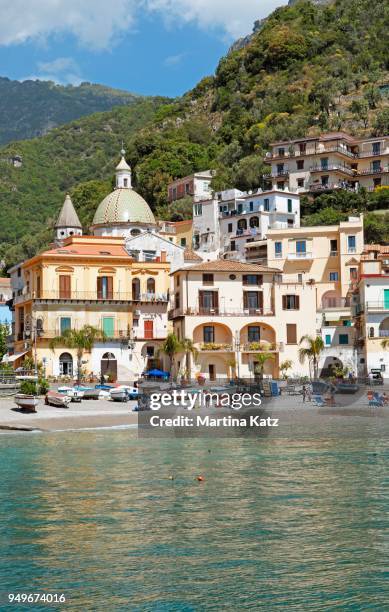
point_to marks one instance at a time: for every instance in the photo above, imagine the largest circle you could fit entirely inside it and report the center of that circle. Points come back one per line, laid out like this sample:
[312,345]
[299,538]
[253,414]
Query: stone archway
[66,364]
[330,363]
[109,366]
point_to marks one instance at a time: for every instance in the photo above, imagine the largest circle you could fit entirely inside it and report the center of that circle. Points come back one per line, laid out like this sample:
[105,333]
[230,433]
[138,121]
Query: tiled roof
[224,265]
[68,216]
[110,250]
[190,255]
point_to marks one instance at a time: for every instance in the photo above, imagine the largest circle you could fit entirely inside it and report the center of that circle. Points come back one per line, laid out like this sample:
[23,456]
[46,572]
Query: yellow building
[178,232]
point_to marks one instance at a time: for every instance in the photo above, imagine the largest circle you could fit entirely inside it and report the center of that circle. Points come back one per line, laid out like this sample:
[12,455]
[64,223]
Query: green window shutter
[66,323]
[109,326]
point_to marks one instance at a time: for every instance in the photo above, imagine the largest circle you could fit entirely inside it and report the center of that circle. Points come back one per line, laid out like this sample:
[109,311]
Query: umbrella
[157,373]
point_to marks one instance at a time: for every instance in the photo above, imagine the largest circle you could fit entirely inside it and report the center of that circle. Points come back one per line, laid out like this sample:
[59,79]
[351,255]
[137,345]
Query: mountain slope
[31,108]
[308,69]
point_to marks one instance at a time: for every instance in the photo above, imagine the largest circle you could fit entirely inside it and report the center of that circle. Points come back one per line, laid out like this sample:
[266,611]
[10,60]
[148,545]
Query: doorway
[212,371]
[109,366]
[66,364]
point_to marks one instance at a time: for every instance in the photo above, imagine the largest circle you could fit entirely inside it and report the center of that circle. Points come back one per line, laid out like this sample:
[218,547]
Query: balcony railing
[311,151]
[332,168]
[280,174]
[260,347]
[220,312]
[379,170]
[120,296]
[378,306]
[211,347]
[303,255]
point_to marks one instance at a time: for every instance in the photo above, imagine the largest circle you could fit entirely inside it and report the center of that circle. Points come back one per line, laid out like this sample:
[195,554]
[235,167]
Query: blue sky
[146,46]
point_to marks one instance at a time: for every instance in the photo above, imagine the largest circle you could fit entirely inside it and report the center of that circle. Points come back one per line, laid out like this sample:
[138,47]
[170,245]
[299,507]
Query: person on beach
[304,393]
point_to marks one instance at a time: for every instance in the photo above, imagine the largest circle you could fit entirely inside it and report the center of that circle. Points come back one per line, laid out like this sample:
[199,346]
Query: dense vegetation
[31,108]
[309,68]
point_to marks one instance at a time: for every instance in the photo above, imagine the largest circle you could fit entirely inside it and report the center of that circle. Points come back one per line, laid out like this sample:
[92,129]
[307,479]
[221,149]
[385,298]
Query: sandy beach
[84,415]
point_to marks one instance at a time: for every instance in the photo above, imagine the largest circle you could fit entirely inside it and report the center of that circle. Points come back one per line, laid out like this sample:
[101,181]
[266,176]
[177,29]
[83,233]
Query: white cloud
[173,60]
[63,70]
[95,23]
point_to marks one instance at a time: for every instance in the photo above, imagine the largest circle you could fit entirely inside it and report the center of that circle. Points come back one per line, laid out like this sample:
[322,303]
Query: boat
[119,394]
[27,402]
[74,394]
[57,399]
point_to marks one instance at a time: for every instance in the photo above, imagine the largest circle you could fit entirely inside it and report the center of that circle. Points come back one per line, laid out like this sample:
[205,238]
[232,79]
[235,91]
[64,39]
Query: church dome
[123,205]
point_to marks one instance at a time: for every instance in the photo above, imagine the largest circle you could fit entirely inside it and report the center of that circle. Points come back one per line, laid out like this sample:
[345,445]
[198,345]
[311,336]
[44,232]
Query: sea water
[119,523]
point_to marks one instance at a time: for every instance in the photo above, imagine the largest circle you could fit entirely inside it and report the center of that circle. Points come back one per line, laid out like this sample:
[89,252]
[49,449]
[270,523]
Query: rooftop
[225,265]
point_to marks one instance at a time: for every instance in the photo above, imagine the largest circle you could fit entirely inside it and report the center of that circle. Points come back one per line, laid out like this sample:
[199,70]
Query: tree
[261,359]
[385,343]
[190,350]
[360,109]
[171,347]
[372,96]
[312,352]
[4,332]
[381,124]
[81,340]
[285,366]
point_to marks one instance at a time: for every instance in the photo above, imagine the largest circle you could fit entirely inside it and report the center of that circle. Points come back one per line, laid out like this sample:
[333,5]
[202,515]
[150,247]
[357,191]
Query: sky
[150,47]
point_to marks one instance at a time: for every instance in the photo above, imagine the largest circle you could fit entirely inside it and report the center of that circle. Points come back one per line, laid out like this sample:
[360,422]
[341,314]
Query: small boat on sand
[119,394]
[74,394]
[57,399]
[26,402]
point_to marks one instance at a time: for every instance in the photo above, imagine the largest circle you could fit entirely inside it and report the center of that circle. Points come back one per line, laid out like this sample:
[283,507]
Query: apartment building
[233,311]
[178,232]
[94,281]
[196,186]
[234,224]
[324,259]
[372,311]
[328,162]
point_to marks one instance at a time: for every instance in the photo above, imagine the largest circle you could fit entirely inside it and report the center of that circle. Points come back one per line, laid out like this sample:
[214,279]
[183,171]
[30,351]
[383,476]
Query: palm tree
[385,343]
[285,366]
[189,349]
[312,352]
[82,340]
[261,359]
[171,347]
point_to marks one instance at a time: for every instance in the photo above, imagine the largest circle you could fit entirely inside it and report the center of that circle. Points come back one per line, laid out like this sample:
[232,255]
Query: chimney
[163,256]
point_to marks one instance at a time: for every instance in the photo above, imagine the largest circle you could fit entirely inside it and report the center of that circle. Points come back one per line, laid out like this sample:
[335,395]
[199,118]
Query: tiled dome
[123,206]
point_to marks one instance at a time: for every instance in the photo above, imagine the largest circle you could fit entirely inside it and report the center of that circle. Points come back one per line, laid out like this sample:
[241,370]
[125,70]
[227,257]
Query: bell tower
[123,173]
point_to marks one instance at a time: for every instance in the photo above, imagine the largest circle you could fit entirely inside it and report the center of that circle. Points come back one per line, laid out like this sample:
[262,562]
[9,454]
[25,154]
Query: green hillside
[31,108]
[309,68]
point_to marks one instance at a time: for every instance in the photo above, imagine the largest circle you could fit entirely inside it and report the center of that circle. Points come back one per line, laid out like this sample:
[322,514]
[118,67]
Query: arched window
[242,224]
[125,182]
[371,332]
[254,222]
[135,232]
[136,289]
[66,364]
[150,285]
[108,356]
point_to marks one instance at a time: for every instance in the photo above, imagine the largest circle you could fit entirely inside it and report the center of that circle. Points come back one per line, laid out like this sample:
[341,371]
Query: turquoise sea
[276,524]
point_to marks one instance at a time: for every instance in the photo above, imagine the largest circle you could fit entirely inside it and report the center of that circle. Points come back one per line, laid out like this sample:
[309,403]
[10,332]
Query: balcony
[212,347]
[333,168]
[300,256]
[310,151]
[261,347]
[377,306]
[335,303]
[370,171]
[48,334]
[94,296]
[282,174]
[196,311]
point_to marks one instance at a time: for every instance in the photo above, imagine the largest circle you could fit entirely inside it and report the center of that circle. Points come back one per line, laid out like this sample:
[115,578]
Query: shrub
[29,387]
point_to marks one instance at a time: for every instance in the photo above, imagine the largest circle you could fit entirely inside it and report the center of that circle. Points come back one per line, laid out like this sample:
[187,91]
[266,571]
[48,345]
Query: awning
[333,316]
[11,358]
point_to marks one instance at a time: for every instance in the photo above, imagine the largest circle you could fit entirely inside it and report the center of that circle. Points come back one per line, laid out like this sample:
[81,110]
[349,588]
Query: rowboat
[74,394]
[119,394]
[26,402]
[57,399]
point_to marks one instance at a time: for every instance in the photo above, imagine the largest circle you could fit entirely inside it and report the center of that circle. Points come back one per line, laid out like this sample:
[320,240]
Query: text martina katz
[208,421]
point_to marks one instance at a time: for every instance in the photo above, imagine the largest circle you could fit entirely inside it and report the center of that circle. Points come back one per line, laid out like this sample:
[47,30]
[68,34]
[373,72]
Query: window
[105,288]
[353,273]
[376,146]
[251,206]
[230,228]
[343,338]
[150,285]
[324,163]
[66,323]
[252,279]
[207,279]
[300,182]
[281,152]
[177,300]
[253,333]
[183,242]
[376,165]
[290,208]
[135,322]
[208,333]
[351,242]
[253,301]
[333,247]
[233,245]
[109,326]
[64,286]
[38,286]
[300,277]
[300,164]
[197,210]
[290,302]
[242,224]
[280,169]
[301,246]
[278,249]
[240,208]
[254,222]
[266,204]
[281,185]
[291,333]
[334,276]
[136,289]
[187,188]
[371,332]
[325,181]
[125,182]
[303,147]
[208,302]
[148,329]
[328,339]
